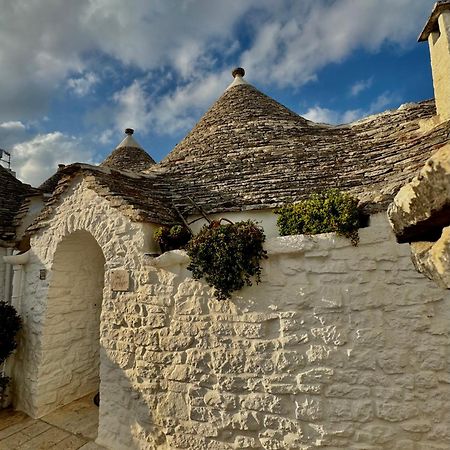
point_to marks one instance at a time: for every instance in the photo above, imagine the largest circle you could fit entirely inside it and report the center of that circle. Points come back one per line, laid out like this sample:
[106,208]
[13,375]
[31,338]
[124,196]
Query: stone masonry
[42,341]
[339,348]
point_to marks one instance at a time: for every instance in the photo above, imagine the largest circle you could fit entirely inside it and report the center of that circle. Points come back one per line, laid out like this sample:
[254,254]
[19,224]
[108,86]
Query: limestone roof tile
[142,198]
[12,194]
[250,152]
[129,155]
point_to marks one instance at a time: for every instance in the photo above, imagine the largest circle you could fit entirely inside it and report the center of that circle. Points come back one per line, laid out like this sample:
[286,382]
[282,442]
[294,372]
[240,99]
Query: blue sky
[75,74]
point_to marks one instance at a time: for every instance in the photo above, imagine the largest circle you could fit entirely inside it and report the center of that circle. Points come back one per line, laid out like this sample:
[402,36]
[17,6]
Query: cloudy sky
[74,74]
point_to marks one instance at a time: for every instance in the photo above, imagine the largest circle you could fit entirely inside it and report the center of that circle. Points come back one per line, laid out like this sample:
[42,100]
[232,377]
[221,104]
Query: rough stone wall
[338,348]
[70,339]
[122,244]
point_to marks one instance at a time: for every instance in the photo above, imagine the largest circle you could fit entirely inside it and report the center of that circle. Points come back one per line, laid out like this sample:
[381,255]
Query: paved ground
[71,427]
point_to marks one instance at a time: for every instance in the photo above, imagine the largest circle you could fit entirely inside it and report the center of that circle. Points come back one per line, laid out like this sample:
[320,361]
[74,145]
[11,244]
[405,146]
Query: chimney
[437,32]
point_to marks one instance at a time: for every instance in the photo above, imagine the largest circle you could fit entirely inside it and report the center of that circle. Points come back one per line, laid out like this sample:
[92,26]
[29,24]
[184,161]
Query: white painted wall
[265,218]
[122,243]
[339,347]
[70,339]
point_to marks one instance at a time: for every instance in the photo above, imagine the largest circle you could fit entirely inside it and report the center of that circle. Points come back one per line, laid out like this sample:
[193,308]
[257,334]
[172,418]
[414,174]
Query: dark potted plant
[227,255]
[10,324]
[172,238]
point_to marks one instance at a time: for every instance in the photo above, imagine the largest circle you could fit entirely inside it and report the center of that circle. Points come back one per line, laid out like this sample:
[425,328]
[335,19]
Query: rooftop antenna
[5,157]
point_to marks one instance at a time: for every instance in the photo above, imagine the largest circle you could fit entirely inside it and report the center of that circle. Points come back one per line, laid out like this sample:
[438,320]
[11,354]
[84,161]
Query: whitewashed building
[339,347]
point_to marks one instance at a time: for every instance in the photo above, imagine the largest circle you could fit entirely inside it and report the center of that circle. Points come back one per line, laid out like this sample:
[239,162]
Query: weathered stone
[395,412]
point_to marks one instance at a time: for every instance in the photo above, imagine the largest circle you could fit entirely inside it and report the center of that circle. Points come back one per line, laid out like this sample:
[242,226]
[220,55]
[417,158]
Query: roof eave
[431,24]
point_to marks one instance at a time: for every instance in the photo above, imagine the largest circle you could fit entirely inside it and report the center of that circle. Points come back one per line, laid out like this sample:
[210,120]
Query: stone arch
[70,343]
[122,242]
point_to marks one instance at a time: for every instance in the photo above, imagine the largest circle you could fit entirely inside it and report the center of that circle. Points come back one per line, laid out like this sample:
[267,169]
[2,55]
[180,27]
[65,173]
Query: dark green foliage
[328,211]
[227,255]
[9,326]
[172,238]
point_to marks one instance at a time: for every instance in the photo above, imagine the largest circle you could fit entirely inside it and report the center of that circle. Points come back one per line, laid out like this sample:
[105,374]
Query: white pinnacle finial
[238,74]
[129,141]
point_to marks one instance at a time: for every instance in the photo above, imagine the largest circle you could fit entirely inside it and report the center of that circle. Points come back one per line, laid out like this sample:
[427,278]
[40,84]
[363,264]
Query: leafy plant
[227,255]
[10,324]
[328,211]
[172,238]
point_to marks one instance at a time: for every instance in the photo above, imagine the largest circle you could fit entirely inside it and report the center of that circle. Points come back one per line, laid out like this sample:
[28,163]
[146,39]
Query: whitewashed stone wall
[339,348]
[122,244]
[70,340]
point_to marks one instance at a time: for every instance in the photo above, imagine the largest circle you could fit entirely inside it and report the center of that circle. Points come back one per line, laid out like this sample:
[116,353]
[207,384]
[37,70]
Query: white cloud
[324,115]
[167,114]
[175,111]
[295,43]
[132,107]
[13,125]
[382,101]
[83,85]
[44,42]
[360,86]
[106,136]
[11,132]
[37,159]
[319,114]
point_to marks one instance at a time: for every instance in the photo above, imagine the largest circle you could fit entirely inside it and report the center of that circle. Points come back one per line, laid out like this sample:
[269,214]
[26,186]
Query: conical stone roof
[242,119]
[250,152]
[129,155]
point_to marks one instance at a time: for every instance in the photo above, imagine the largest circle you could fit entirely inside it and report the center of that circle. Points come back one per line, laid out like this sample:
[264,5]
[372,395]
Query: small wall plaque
[120,280]
[42,274]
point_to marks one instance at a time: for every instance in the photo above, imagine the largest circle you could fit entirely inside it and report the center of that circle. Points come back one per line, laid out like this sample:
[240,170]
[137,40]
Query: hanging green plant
[10,324]
[328,211]
[172,238]
[227,255]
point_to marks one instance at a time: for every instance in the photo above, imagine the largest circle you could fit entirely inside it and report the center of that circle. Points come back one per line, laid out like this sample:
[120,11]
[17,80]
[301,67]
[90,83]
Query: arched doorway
[70,341]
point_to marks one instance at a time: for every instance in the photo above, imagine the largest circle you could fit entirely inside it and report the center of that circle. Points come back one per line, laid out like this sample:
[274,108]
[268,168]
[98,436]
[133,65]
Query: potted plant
[227,255]
[323,212]
[172,238]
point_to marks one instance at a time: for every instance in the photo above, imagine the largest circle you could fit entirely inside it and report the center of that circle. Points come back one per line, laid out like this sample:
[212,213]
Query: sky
[75,74]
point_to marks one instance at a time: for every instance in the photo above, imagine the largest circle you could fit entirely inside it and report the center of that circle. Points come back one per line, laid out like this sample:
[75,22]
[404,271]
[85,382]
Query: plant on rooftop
[172,238]
[324,212]
[227,255]
[10,324]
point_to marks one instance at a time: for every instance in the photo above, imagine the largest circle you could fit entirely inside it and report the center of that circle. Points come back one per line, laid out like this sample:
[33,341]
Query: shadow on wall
[336,344]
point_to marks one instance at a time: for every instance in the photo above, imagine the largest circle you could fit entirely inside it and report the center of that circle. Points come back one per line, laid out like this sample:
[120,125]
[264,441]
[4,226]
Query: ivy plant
[227,255]
[323,212]
[10,324]
[172,238]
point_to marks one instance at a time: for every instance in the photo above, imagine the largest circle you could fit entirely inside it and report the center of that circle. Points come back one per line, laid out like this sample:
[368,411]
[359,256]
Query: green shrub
[227,255]
[172,238]
[10,324]
[328,211]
